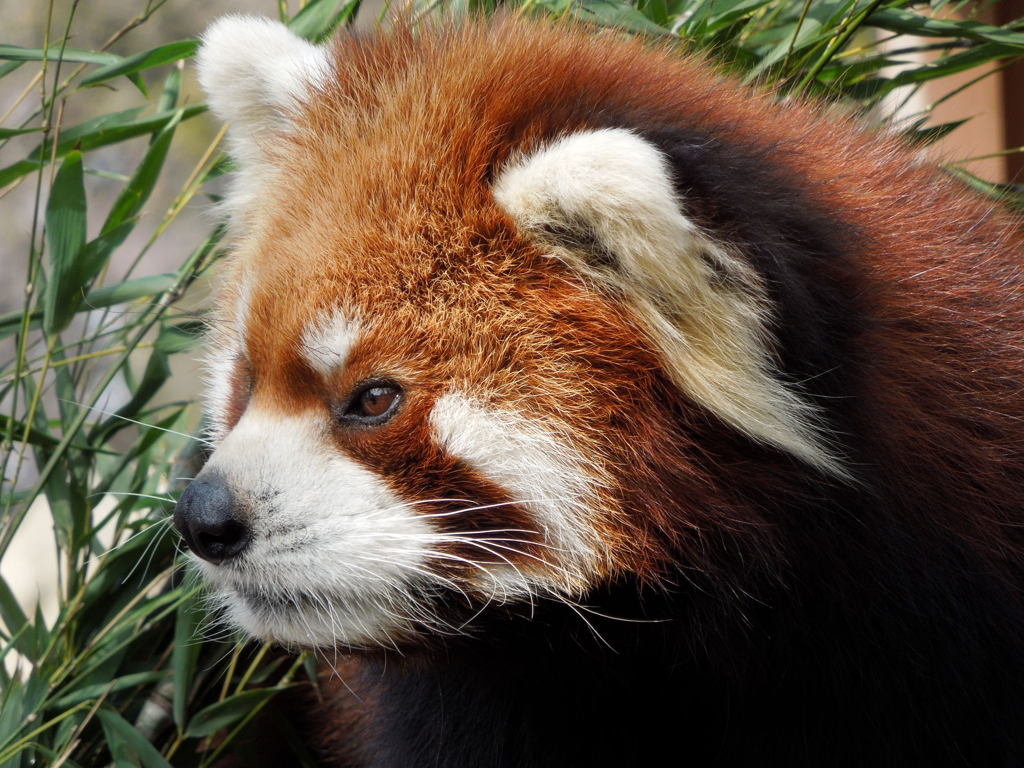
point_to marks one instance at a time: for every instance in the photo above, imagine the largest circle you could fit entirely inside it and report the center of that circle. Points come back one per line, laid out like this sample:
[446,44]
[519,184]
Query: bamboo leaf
[156,373]
[138,189]
[319,18]
[910,23]
[229,711]
[100,298]
[17,53]
[97,252]
[98,132]
[958,62]
[98,689]
[1010,194]
[126,739]
[171,92]
[6,133]
[156,57]
[184,656]
[929,135]
[45,439]
[130,290]
[15,621]
[722,14]
[619,15]
[65,235]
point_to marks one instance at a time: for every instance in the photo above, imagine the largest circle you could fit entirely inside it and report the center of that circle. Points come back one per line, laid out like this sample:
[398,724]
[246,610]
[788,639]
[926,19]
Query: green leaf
[150,435]
[179,337]
[619,15]
[6,133]
[41,635]
[320,18]
[9,646]
[15,620]
[98,251]
[128,631]
[156,373]
[172,90]
[926,136]
[20,706]
[725,12]
[185,655]
[98,689]
[107,296]
[229,711]
[156,57]
[1010,194]
[136,79]
[60,499]
[140,186]
[809,34]
[65,235]
[122,736]
[17,53]
[958,62]
[38,436]
[130,290]
[98,132]
[655,10]
[909,23]
[852,71]
[268,669]
[106,592]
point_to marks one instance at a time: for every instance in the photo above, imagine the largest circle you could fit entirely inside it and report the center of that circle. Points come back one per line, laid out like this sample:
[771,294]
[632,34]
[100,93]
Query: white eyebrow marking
[326,344]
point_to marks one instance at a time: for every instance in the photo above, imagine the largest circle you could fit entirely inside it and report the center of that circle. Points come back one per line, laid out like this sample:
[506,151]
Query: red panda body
[605,410]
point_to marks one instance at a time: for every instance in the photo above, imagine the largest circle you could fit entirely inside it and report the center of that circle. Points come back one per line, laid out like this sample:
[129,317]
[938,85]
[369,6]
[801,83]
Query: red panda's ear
[604,202]
[256,73]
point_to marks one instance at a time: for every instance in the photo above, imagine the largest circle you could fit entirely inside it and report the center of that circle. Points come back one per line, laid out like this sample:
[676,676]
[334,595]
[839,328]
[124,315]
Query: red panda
[605,412]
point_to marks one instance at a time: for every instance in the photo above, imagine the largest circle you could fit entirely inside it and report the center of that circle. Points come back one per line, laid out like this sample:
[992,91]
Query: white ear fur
[256,72]
[612,192]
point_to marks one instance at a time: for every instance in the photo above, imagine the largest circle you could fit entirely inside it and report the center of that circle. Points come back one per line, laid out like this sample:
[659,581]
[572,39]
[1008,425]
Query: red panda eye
[373,403]
[376,401]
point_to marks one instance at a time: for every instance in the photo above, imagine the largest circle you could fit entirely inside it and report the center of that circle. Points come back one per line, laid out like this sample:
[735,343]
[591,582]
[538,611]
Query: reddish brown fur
[384,208]
[430,261]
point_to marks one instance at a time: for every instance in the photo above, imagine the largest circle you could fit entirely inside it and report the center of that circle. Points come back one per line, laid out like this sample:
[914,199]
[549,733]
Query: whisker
[574,608]
[151,547]
[96,558]
[481,535]
[498,504]
[112,414]
[429,575]
[439,555]
[165,499]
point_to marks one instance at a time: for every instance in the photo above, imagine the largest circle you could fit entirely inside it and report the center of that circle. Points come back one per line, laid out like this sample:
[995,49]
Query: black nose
[207,516]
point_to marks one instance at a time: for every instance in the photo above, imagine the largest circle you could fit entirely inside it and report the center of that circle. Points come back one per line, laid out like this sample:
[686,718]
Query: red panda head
[471,342]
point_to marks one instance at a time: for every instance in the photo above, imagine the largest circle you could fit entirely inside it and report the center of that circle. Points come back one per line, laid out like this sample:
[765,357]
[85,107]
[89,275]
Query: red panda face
[444,359]
[377,448]
[393,426]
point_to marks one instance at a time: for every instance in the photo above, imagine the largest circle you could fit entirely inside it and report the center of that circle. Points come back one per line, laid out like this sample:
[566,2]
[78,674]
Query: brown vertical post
[1013,96]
